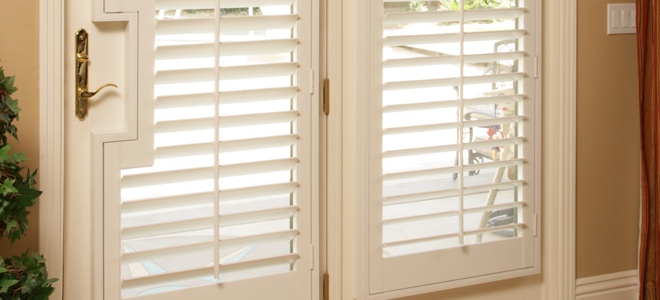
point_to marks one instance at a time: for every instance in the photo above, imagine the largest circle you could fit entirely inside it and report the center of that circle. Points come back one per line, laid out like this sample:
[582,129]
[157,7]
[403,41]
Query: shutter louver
[222,201]
[452,140]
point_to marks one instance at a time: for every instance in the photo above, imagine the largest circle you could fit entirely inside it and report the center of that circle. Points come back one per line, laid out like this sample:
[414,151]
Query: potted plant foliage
[24,276]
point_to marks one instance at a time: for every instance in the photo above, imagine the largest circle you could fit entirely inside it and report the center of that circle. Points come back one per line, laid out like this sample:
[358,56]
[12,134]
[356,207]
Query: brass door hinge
[326,96]
[326,285]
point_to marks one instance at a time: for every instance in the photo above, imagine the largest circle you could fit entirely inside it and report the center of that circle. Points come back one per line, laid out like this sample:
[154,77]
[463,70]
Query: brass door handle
[82,61]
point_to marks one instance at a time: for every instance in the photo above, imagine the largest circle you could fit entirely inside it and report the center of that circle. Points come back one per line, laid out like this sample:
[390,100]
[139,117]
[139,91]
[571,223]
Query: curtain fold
[647,42]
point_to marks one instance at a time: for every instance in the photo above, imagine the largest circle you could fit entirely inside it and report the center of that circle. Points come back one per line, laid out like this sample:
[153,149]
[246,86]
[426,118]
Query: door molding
[566,217]
[51,173]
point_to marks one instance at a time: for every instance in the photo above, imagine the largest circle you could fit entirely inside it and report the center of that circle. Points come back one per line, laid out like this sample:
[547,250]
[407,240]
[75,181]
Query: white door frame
[560,285]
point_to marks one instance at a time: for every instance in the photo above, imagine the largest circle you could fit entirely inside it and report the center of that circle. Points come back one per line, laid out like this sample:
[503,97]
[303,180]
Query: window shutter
[226,207]
[454,144]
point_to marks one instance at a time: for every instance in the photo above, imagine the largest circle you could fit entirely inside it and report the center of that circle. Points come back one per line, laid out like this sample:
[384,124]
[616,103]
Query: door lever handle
[82,62]
[84,94]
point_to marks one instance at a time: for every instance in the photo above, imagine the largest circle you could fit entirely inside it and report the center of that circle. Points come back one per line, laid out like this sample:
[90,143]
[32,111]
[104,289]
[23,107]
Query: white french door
[197,176]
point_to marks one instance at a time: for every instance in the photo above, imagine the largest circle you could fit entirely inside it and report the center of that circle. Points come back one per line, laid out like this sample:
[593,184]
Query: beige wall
[608,145]
[19,54]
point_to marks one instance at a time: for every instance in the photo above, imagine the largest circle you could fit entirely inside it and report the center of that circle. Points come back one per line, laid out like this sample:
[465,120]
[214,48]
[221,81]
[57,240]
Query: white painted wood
[616,286]
[563,281]
[93,188]
[51,173]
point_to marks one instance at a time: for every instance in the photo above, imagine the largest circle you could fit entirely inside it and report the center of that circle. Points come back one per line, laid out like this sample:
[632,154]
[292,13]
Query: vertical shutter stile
[216,140]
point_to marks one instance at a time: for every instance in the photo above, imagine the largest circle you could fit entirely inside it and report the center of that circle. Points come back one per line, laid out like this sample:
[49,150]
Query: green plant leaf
[5,284]
[4,152]
[7,83]
[13,104]
[8,186]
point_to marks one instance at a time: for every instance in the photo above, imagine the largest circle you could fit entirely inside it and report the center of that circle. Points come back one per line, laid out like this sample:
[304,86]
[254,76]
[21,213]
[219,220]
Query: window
[454,161]
[225,211]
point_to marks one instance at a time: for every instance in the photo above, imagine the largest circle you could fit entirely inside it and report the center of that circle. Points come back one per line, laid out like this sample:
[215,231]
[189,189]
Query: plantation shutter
[226,209]
[454,143]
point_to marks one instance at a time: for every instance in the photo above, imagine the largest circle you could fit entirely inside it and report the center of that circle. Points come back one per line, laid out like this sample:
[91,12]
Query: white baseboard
[615,286]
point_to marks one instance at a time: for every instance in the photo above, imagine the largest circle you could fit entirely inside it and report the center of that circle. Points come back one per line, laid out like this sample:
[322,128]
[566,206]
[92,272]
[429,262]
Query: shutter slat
[243,241]
[185,26]
[494,143]
[519,225]
[420,106]
[180,101]
[425,217]
[286,164]
[174,176]
[420,128]
[419,151]
[494,121]
[184,51]
[241,96]
[242,24]
[253,3]
[493,78]
[207,223]
[417,197]
[421,39]
[166,177]
[494,100]
[258,216]
[166,228]
[258,71]
[454,169]
[226,146]
[172,277]
[494,164]
[258,47]
[184,250]
[257,119]
[226,73]
[452,235]
[184,76]
[494,207]
[258,143]
[452,16]
[166,202]
[258,191]
[225,122]
[419,173]
[209,4]
[259,263]
[184,125]
[157,203]
[255,95]
[194,249]
[420,84]
[507,185]
[446,60]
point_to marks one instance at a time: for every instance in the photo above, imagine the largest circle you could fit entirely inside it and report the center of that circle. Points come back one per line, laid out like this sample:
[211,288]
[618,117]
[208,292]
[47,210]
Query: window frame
[355,73]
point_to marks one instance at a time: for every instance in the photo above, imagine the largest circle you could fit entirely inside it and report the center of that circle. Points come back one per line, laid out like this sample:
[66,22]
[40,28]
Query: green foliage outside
[25,276]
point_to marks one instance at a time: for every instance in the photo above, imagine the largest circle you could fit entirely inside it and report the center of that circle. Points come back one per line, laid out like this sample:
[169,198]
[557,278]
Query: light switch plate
[621,18]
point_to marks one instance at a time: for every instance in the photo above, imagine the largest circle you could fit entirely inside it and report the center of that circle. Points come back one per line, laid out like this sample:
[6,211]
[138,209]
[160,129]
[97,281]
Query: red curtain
[647,50]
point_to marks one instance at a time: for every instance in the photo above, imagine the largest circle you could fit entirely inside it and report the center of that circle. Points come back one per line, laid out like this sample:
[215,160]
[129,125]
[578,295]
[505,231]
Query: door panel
[198,175]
